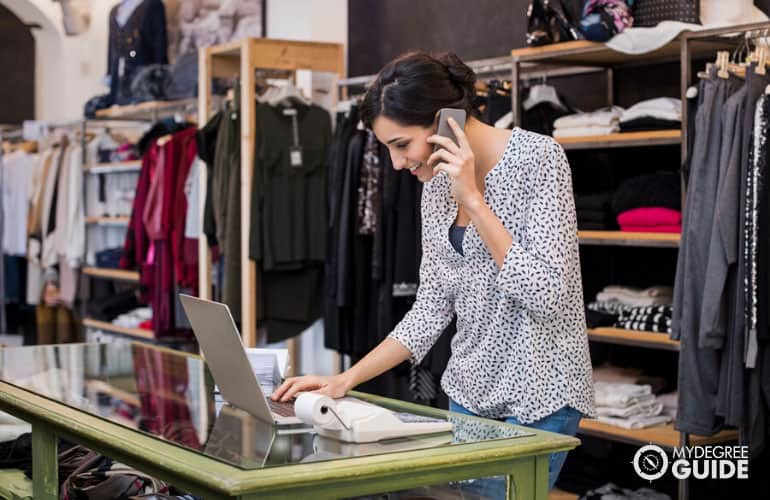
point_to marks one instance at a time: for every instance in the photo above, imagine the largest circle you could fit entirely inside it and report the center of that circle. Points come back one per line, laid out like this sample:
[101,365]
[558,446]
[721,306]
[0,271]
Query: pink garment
[650,216]
[674,228]
[153,210]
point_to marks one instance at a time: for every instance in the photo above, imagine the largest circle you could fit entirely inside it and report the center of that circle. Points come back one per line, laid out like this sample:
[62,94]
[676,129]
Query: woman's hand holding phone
[458,162]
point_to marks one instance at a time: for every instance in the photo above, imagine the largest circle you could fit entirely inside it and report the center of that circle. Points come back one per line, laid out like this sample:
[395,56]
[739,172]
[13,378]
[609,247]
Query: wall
[68,70]
[17,87]
[381,30]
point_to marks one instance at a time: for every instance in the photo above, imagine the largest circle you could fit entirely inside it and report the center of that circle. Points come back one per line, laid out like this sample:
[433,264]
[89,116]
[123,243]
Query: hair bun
[459,72]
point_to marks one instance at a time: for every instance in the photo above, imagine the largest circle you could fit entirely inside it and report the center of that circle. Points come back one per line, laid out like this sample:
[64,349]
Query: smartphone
[443,128]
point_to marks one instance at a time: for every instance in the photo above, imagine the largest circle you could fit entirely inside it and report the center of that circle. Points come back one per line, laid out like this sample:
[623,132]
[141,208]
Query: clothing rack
[243,59]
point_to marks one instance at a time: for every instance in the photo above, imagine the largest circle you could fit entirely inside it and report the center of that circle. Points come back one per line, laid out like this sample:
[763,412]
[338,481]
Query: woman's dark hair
[413,87]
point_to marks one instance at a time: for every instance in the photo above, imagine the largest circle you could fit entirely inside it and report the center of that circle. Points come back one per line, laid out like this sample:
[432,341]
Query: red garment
[650,216]
[155,242]
[652,229]
[161,384]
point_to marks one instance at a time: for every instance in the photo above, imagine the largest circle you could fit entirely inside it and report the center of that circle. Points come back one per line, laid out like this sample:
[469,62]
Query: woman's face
[408,146]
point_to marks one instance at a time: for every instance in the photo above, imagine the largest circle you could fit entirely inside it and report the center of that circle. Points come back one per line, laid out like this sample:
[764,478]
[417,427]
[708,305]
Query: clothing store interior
[213,222]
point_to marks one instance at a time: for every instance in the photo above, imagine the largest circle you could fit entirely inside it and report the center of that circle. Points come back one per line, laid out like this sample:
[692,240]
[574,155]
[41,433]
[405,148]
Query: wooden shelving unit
[108,221]
[113,274]
[683,49]
[243,58]
[138,333]
[635,338]
[150,109]
[625,238]
[622,140]
[112,168]
[662,435]
[556,494]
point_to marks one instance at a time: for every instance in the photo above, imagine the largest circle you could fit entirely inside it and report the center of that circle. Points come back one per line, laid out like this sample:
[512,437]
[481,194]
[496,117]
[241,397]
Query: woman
[500,251]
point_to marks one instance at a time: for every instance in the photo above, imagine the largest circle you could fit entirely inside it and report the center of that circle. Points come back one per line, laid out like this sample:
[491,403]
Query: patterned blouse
[521,347]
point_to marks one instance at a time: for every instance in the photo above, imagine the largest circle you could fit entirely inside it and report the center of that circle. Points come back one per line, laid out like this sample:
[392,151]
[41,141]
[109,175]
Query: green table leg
[45,468]
[529,479]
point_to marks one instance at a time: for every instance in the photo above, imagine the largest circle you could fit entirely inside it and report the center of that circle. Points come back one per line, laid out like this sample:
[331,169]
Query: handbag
[549,22]
[651,12]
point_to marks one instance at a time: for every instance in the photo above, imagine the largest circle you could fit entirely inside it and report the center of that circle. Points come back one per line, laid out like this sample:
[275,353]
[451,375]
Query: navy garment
[141,41]
[456,235]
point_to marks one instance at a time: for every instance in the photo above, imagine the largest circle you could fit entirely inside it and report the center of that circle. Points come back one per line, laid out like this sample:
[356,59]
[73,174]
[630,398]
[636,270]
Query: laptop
[220,341]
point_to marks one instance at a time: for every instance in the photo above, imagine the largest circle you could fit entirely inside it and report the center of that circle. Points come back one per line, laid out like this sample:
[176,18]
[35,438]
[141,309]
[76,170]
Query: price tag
[295,156]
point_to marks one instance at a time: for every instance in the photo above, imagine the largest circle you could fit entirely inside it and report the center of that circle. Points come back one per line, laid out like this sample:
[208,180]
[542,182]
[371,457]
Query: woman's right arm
[388,354]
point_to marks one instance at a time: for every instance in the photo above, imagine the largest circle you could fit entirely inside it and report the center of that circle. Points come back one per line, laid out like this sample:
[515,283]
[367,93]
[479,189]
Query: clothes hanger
[542,93]
[287,95]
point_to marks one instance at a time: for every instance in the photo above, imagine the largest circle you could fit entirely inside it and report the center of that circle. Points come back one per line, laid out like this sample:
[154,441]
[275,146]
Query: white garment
[605,117]
[661,108]
[19,170]
[622,395]
[48,257]
[644,409]
[192,189]
[70,219]
[652,296]
[642,40]
[125,9]
[653,291]
[635,422]
[585,131]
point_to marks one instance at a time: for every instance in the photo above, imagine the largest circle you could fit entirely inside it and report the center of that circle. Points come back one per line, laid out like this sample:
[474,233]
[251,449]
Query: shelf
[114,274]
[622,140]
[108,221]
[556,494]
[662,435]
[586,53]
[148,109]
[626,238]
[139,333]
[114,168]
[635,338]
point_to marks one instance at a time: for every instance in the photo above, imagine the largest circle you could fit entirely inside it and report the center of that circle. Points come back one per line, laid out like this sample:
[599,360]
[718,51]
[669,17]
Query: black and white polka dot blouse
[521,347]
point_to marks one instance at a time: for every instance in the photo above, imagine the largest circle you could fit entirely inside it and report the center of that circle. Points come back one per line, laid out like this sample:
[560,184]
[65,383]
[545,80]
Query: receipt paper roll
[318,410]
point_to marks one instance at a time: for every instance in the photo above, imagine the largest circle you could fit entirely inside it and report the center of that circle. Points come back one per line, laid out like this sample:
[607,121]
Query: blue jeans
[563,421]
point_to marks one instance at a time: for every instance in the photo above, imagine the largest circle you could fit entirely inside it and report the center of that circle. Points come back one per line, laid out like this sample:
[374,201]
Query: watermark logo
[651,462]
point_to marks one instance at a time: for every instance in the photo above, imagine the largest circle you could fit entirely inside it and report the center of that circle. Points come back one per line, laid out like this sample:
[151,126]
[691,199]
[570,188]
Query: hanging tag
[295,156]
[295,151]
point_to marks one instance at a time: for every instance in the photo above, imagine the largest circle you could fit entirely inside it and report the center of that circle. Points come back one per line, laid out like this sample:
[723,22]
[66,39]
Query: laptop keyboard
[283,409]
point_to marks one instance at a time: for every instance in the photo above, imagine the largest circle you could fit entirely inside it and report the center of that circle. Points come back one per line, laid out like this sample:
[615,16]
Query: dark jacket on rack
[225,199]
[139,42]
[334,322]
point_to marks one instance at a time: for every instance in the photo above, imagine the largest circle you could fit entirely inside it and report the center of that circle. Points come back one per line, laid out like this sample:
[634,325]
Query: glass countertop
[171,396]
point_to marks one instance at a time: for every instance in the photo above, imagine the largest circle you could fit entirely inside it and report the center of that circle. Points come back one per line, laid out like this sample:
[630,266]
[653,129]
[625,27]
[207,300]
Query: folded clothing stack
[612,492]
[593,211]
[630,406]
[651,219]
[648,310]
[649,203]
[109,258]
[601,122]
[653,114]
[137,318]
[635,297]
